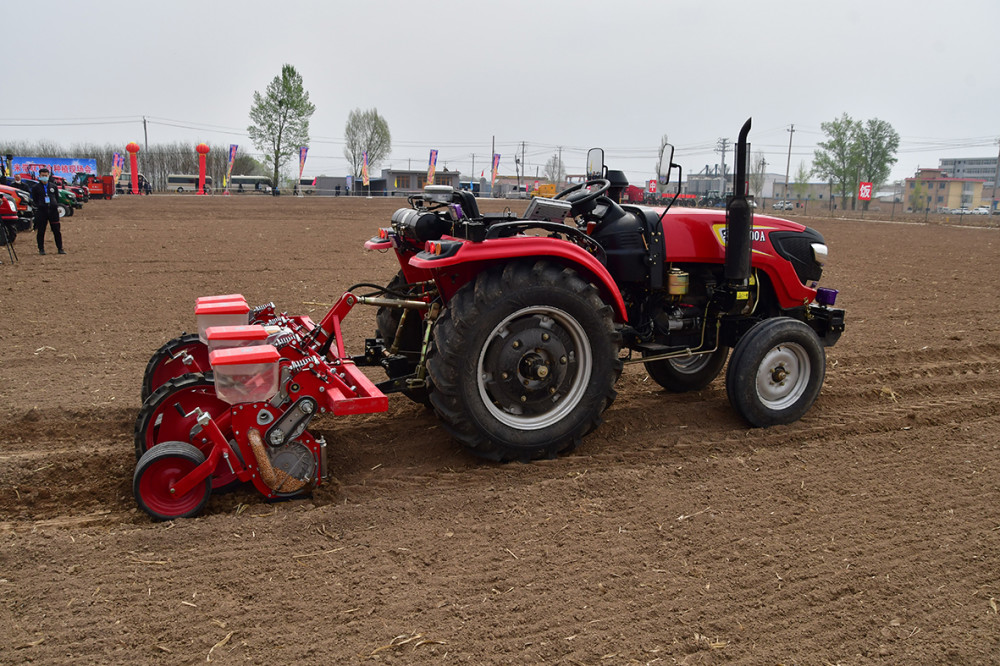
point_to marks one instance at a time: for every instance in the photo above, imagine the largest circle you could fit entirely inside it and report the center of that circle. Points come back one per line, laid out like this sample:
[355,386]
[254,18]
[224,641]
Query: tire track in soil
[71,464]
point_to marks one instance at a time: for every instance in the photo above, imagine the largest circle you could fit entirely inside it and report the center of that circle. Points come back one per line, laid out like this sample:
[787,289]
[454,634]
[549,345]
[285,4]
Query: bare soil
[868,532]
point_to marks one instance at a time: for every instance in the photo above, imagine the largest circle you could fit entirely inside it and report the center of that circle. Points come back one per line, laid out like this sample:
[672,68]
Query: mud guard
[472,258]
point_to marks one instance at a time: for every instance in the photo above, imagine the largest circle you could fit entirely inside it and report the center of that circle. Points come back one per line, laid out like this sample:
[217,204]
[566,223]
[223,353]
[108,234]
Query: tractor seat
[468,202]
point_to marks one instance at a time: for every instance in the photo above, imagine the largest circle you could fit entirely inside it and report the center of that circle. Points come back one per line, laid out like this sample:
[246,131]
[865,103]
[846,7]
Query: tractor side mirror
[666,161]
[595,163]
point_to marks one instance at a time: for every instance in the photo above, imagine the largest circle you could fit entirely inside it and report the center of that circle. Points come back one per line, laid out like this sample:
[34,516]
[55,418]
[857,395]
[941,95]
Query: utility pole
[996,176]
[788,163]
[145,133]
[559,171]
[524,167]
[722,144]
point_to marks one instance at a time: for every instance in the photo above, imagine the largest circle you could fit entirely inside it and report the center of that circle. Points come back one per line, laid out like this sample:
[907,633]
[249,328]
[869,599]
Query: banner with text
[432,162]
[117,165]
[496,165]
[302,159]
[232,160]
[364,170]
[57,166]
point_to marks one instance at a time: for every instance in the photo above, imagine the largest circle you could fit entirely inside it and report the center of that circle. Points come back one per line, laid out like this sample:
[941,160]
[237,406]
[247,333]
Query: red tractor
[511,328]
[521,349]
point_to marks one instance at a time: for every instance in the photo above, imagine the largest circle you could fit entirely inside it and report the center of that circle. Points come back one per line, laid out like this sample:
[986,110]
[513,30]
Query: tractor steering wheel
[583,202]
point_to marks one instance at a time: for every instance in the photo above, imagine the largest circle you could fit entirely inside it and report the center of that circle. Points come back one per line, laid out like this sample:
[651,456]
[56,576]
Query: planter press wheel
[159,420]
[161,467]
[166,363]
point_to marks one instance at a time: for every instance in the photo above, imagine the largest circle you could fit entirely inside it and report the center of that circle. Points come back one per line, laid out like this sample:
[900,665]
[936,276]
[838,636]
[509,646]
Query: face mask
[44,179]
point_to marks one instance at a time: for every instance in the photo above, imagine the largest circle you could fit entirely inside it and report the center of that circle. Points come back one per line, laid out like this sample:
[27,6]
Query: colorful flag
[302,159]
[432,166]
[496,165]
[364,170]
[232,160]
[116,165]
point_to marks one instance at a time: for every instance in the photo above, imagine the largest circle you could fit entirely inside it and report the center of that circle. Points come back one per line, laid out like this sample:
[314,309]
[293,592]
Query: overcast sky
[549,73]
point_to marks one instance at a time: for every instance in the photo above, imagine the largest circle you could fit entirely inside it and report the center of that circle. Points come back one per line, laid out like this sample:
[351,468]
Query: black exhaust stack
[733,296]
[739,218]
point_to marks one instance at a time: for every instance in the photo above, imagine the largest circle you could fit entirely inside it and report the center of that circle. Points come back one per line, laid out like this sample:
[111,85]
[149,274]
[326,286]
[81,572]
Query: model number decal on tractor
[757,234]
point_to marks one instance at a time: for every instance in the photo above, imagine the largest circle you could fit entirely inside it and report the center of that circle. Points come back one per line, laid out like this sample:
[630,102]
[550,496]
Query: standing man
[45,197]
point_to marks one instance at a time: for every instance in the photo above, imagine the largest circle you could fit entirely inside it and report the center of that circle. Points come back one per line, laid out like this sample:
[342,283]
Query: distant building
[804,192]
[943,192]
[977,168]
[404,182]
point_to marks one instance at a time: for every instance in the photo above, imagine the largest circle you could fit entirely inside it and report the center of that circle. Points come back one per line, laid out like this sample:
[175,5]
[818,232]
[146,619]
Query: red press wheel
[160,468]
[160,420]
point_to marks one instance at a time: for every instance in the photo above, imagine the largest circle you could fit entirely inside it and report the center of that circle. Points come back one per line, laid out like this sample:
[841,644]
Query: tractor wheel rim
[534,368]
[783,376]
[690,365]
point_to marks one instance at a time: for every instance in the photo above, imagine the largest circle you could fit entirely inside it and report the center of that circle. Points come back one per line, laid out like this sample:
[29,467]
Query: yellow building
[932,188]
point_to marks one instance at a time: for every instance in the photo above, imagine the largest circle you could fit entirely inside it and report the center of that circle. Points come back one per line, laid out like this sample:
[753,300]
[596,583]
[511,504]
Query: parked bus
[239,184]
[124,184]
[187,183]
[307,185]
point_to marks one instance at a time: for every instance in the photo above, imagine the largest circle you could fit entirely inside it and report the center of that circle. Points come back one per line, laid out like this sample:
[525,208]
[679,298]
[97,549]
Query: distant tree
[801,186]
[664,142]
[280,118]
[366,131]
[555,171]
[918,198]
[757,176]
[836,159]
[877,146]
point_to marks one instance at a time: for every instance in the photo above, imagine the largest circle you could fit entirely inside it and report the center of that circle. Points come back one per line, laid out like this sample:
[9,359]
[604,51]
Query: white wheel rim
[566,396]
[690,365]
[783,376]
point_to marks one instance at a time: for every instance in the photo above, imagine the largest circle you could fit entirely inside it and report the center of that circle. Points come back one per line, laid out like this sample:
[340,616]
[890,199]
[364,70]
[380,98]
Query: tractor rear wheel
[691,373]
[524,362]
[168,362]
[412,338]
[160,468]
[160,421]
[776,372]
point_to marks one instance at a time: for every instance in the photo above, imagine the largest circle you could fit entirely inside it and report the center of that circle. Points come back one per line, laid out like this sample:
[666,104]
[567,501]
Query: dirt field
[868,532]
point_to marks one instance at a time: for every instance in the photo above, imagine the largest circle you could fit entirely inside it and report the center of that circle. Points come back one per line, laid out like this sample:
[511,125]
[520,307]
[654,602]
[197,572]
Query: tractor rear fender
[453,269]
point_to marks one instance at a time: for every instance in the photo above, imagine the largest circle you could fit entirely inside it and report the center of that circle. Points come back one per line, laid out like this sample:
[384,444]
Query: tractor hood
[696,234]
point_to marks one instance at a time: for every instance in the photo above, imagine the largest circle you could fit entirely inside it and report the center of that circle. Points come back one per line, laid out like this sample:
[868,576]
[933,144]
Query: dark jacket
[49,210]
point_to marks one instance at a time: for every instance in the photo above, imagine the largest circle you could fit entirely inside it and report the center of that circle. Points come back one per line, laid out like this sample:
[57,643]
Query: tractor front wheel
[524,362]
[158,470]
[691,373]
[776,372]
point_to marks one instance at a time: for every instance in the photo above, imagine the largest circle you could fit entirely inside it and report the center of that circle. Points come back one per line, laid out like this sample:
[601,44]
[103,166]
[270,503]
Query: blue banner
[66,167]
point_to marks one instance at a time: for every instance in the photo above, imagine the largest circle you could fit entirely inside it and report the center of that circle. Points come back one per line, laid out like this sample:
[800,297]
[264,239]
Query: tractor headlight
[820,253]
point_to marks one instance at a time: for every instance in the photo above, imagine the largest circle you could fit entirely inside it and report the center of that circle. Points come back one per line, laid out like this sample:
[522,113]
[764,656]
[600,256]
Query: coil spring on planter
[297,366]
[261,308]
[284,340]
